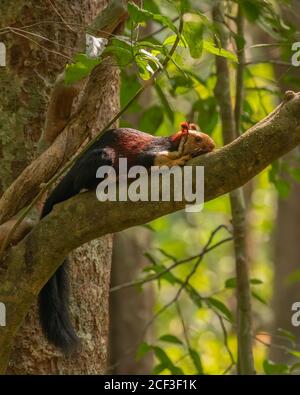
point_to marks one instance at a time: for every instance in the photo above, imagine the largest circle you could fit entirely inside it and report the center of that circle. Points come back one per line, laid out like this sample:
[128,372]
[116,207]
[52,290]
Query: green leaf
[194,296]
[168,276]
[150,258]
[167,255]
[145,70]
[251,8]
[141,15]
[196,360]
[171,40]
[274,368]
[230,283]
[143,349]
[295,353]
[171,339]
[259,298]
[122,50]
[81,68]
[166,361]
[159,368]
[272,23]
[185,6]
[256,281]
[221,307]
[147,62]
[213,49]
[193,34]
[151,6]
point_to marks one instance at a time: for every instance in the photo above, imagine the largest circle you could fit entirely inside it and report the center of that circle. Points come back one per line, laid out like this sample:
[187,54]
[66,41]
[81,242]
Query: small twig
[239,97]
[12,30]
[174,300]
[225,335]
[60,16]
[271,61]
[147,36]
[271,345]
[185,332]
[184,283]
[168,269]
[231,130]
[106,127]
[228,369]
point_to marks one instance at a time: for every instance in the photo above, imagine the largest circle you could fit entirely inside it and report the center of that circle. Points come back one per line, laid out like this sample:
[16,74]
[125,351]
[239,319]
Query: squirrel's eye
[198,139]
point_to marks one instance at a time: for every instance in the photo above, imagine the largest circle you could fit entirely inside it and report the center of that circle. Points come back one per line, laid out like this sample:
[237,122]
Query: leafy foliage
[203,340]
[186,91]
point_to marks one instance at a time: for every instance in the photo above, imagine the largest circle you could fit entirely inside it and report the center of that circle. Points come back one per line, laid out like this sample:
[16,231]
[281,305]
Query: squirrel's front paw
[181,161]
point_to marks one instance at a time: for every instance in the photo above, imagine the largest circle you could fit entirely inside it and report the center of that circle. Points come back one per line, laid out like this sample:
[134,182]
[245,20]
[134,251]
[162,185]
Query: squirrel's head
[193,140]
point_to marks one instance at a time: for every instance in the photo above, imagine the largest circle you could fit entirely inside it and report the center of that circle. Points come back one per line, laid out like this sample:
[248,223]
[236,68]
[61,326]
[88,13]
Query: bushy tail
[54,312]
[54,297]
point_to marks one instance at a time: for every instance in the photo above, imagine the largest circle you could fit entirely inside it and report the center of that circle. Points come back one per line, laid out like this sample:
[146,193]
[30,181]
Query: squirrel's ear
[177,136]
[184,126]
[193,126]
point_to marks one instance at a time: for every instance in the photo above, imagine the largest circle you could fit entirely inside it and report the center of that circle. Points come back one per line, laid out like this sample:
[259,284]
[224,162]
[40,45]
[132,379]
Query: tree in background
[131,308]
[31,101]
[198,65]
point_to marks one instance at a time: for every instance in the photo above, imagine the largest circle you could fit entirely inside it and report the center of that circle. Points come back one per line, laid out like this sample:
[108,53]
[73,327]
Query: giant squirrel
[140,149]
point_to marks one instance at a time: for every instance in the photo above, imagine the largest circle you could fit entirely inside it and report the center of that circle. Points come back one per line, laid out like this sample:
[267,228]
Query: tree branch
[29,265]
[72,131]
[63,95]
[230,130]
[25,177]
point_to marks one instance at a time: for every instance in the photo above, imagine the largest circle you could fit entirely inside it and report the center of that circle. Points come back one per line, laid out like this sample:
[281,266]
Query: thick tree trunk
[286,259]
[287,229]
[26,84]
[131,309]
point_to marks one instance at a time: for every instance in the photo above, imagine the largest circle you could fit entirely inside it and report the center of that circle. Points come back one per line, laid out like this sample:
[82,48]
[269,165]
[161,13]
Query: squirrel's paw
[181,161]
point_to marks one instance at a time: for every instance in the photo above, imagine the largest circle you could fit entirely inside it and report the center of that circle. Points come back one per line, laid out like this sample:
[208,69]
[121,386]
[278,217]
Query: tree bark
[230,130]
[285,240]
[30,264]
[287,229]
[131,308]
[27,82]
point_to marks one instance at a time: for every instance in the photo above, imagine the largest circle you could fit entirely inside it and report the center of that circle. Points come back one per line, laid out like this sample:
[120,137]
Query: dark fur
[140,149]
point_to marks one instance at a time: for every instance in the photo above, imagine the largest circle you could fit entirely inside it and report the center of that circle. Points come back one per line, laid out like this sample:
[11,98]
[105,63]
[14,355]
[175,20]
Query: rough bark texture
[286,260]
[230,130]
[131,309]
[82,218]
[285,241]
[27,82]
[287,226]
[90,272]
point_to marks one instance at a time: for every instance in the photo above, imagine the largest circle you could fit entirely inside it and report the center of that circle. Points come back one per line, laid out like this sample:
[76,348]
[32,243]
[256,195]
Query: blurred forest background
[184,320]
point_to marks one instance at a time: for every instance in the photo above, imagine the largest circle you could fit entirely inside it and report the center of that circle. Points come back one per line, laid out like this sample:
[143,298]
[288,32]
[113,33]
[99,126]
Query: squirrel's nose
[210,145]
